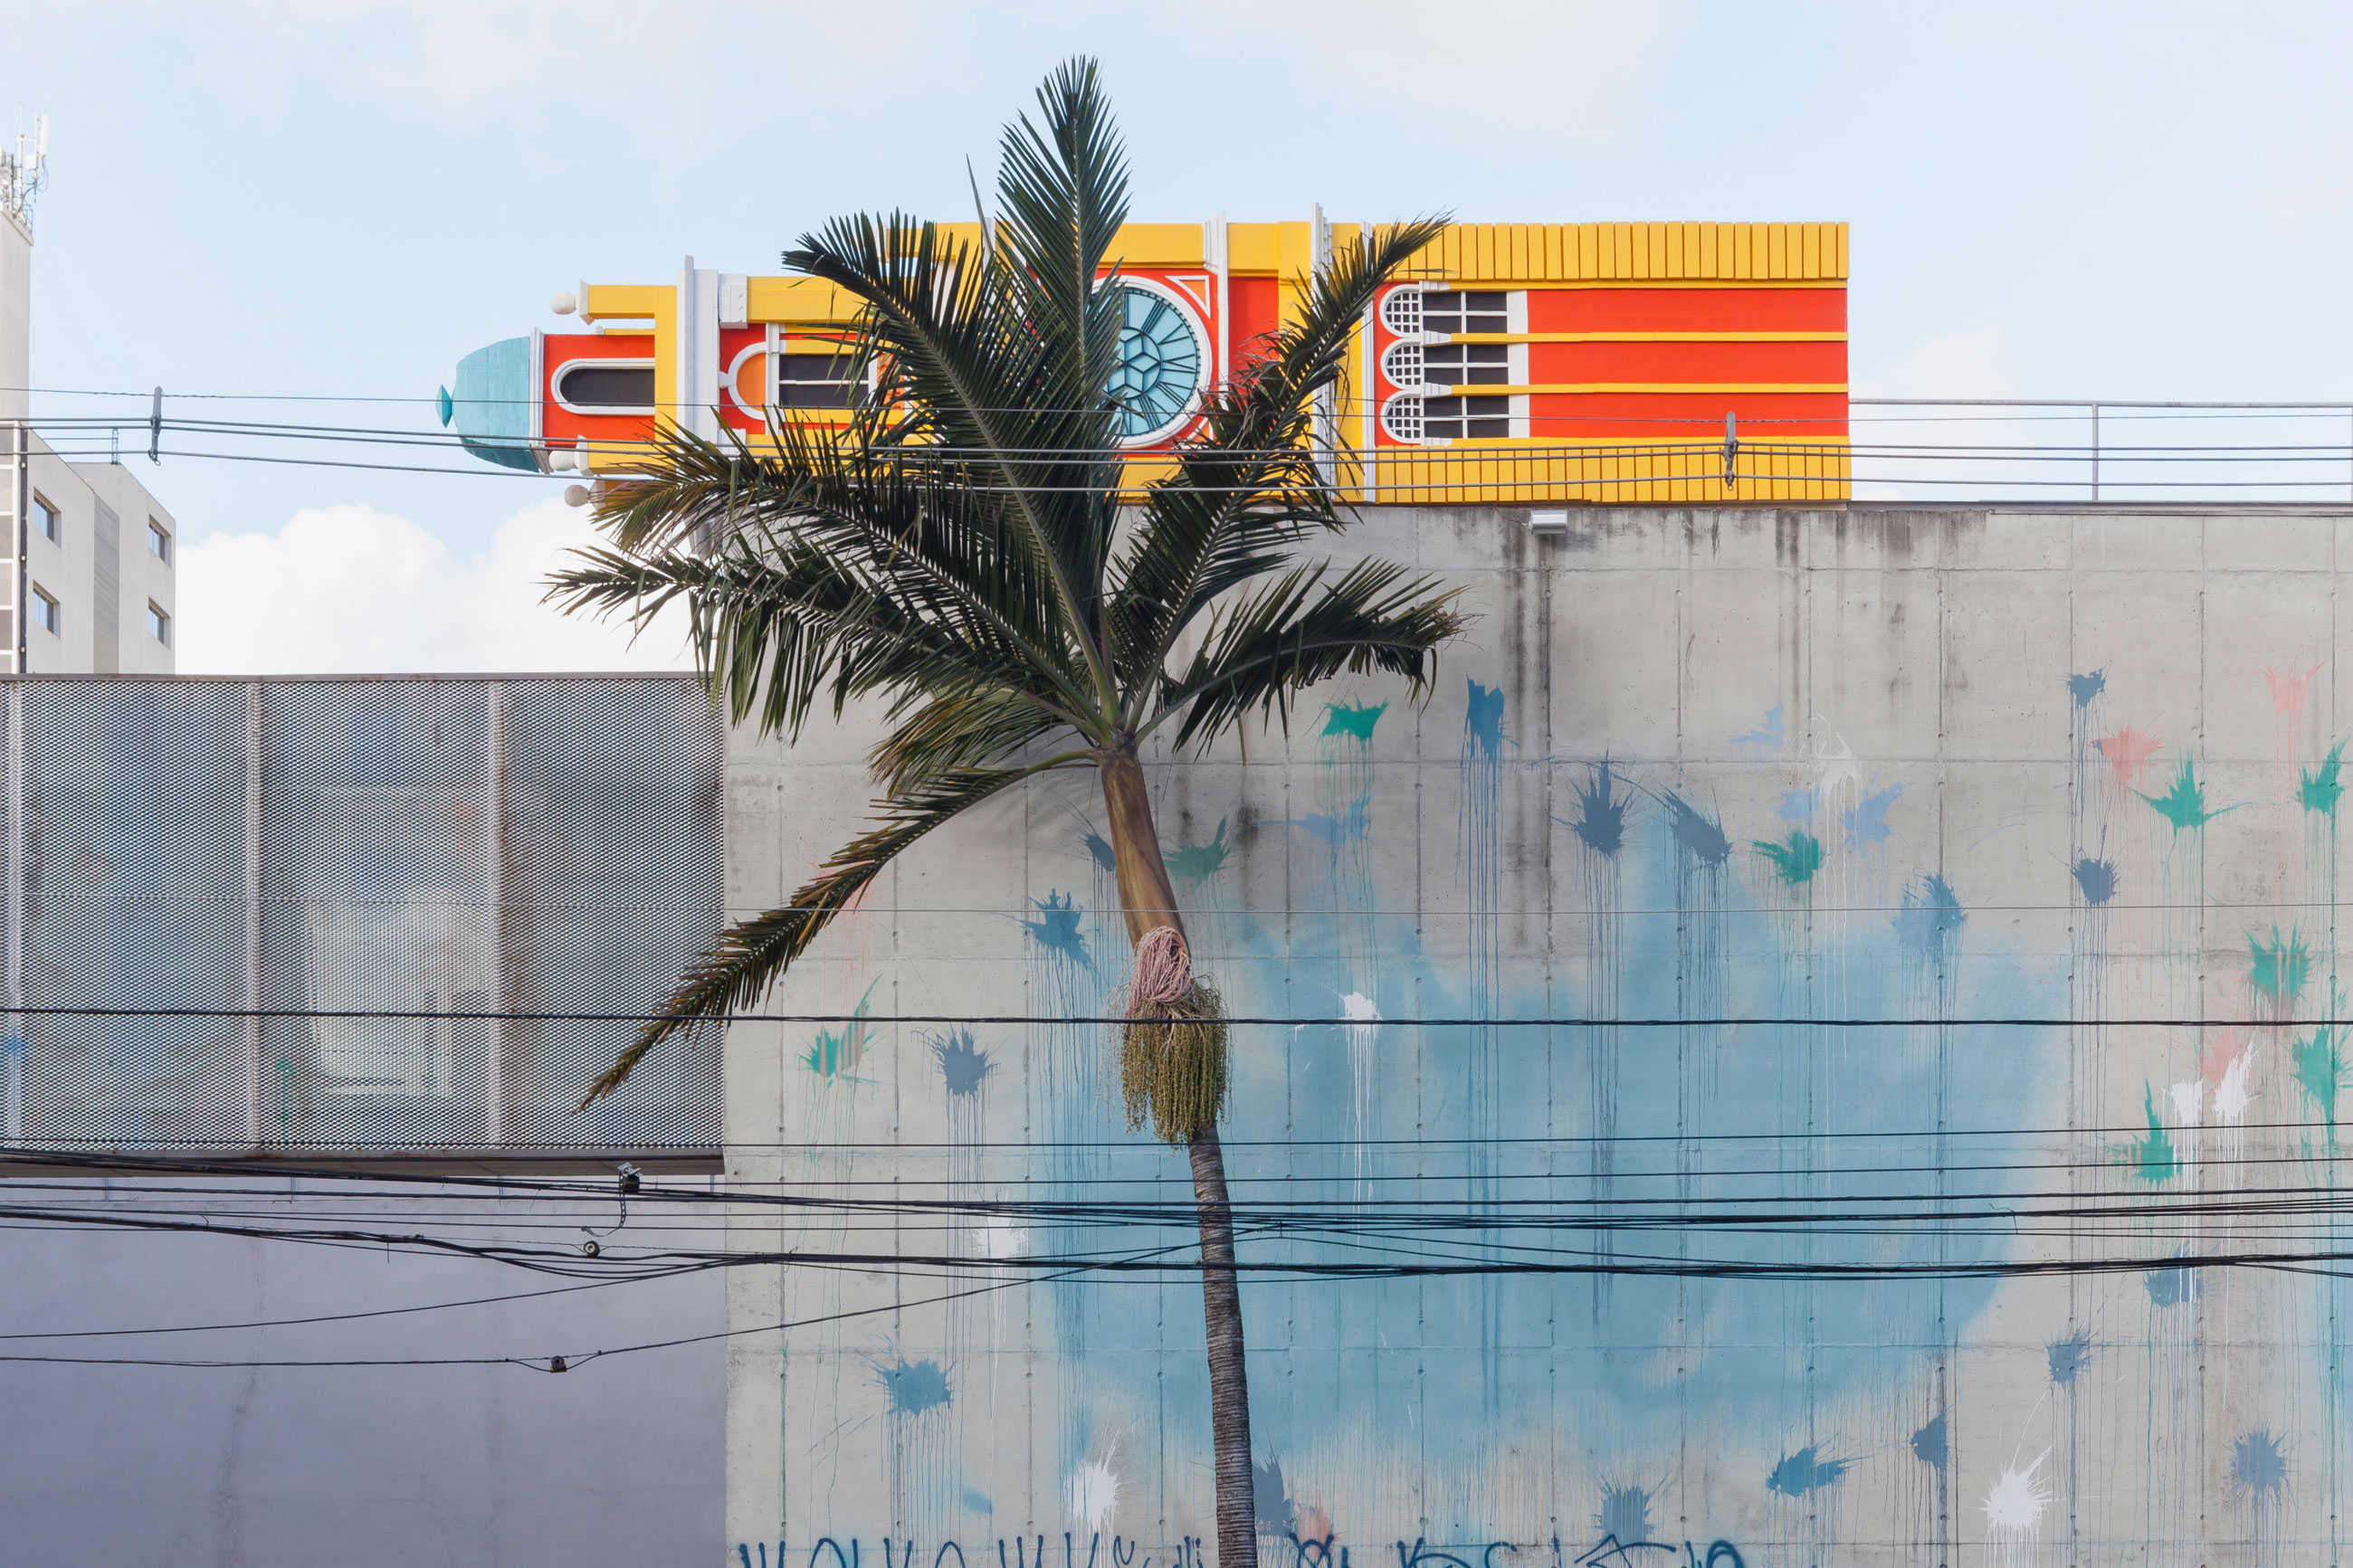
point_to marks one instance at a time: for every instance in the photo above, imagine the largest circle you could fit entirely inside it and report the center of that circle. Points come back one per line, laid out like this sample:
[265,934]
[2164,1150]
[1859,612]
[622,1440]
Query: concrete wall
[2058,769]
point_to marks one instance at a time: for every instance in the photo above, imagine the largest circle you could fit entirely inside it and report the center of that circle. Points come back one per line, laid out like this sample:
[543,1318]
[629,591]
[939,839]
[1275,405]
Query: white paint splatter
[1835,766]
[2013,1508]
[2189,1099]
[997,1237]
[1093,1492]
[2230,1096]
[1364,1020]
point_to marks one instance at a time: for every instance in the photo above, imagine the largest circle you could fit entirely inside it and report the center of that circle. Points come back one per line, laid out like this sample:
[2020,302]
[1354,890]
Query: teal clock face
[1160,366]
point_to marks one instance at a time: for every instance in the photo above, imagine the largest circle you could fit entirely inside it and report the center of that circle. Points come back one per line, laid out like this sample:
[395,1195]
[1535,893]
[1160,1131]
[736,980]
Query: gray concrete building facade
[1797,1052]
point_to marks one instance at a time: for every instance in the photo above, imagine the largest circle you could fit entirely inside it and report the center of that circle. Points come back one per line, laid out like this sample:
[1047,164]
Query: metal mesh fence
[291,856]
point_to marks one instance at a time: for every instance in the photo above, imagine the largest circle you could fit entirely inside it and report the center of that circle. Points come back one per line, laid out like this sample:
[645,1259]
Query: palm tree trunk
[1151,902]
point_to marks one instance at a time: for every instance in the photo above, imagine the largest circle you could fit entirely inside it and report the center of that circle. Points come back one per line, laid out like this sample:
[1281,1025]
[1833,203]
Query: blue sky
[338,198]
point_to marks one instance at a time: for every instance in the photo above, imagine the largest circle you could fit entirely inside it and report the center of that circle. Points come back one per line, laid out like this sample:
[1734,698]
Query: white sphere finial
[564,302]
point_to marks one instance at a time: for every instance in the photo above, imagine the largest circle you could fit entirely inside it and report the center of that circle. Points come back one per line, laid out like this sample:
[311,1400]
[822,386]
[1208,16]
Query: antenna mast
[24,172]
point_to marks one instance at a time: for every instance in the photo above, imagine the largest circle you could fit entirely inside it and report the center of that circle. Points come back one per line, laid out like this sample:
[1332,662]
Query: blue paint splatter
[1100,848]
[2067,1356]
[1928,1445]
[1766,737]
[1057,929]
[1804,1471]
[2083,688]
[1269,1502]
[2257,1465]
[1696,834]
[1797,804]
[1483,723]
[1931,916]
[963,1063]
[2098,879]
[914,1386]
[2170,1286]
[1600,816]
[1349,826]
[1625,1514]
[978,1502]
[1866,819]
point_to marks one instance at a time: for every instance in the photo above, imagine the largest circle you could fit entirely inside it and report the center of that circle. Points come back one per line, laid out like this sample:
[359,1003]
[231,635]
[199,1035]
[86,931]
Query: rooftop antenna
[24,172]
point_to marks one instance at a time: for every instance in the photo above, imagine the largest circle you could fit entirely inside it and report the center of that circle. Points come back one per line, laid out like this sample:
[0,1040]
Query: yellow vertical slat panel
[1641,251]
[1558,247]
[1740,250]
[1524,264]
[1809,258]
[1779,240]
[1589,252]
[1672,252]
[1659,268]
[1707,250]
[1727,251]
[1486,257]
[1842,252]
[1621,250]
[1690,250]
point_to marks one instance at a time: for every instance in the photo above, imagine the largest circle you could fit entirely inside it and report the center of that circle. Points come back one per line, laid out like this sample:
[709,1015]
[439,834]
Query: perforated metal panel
[282,860]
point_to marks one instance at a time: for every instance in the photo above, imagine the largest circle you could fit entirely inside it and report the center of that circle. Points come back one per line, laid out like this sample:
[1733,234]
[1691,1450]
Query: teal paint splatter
[2257,1465]
[1931,916]
[2321,791]
[2152,1158]
[837,1053]
[1866,819]
[2083,688]
[2319,1069]
[1352,719]
[1804,1471]
[1196,863]
[1600,816]
[1057,929]
[914,1386]
[2184,804]
[1794,861]
[1928,1444]
[2277,972]
[1483,723]
[2067,1357]
[2098,879]
[1697,833]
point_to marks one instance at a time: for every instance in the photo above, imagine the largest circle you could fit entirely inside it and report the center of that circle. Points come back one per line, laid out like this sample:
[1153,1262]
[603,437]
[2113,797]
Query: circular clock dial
[1160,365]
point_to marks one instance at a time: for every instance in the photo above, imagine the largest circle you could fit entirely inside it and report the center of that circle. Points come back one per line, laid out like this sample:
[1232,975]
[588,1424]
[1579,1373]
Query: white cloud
[349,589]
[1971,363]
[1585,67]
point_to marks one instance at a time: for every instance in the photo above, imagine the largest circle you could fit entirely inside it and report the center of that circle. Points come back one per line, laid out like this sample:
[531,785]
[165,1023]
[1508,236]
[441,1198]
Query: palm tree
[970,552]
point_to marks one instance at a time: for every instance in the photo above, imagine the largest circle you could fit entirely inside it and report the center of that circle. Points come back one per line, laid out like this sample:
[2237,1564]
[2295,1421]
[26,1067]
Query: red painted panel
[559,349]
[1686,310]
[1257,307]
[750,383]
[1814,364]
[1684,416]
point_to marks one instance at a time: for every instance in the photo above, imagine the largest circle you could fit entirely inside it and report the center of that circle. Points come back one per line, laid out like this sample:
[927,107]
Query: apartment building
[88,557]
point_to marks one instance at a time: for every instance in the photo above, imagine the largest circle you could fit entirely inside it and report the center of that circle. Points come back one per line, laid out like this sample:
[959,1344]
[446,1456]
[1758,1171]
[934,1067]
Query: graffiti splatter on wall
[1786,1033]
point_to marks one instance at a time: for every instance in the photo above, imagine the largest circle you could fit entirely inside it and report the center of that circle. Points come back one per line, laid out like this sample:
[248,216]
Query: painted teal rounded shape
[1160,365]
[441,396]
[491,409]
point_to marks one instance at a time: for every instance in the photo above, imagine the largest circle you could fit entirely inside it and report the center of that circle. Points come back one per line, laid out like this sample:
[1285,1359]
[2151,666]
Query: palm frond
[1261,650]
[752,955]
[1246,490]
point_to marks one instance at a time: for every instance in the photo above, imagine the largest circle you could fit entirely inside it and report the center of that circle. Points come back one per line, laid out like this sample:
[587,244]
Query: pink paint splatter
[2287,690]
[2128,753]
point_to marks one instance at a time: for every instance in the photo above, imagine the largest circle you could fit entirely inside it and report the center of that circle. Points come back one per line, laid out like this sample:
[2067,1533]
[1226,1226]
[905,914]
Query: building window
[813,381]
[159,541]
[159,625]
[1467,312]
[45,520]
[46,613]
[606,386]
